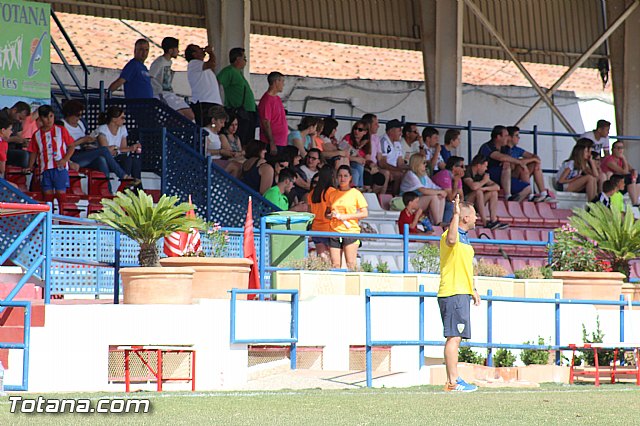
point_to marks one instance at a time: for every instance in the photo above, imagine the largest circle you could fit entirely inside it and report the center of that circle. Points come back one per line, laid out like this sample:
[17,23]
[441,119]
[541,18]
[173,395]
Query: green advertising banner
[25,62]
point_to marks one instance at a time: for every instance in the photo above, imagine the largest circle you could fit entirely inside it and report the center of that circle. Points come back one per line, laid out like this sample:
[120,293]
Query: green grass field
[551,404]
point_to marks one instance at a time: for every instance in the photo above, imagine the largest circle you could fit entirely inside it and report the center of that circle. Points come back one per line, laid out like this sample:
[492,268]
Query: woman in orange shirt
[348,206]
[318,200]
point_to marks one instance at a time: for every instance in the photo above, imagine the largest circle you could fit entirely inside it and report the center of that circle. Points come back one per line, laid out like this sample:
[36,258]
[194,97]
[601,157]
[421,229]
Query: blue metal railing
[489,344]
[26,336]
[292,340]
[406,238]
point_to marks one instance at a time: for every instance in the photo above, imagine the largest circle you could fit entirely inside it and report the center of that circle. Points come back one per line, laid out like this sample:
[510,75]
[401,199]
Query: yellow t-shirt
[456,267]
[347,202]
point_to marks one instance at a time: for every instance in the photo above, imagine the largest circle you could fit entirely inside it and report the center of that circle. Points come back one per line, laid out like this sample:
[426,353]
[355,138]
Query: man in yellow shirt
[456,290]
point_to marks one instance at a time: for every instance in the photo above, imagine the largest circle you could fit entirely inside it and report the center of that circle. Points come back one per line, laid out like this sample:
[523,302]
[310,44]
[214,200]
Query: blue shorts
[456,315]
[517,185]
[55,179]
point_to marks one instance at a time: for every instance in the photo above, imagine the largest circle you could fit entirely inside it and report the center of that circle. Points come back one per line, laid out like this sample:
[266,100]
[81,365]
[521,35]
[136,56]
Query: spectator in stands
[482,192]
[216,118]
[617,199]
[53,147]
[135,75]
[616,163]
[391,157]
[162,78]
[433,150]
[450,180]
[112,134]
[277,194]
[87,152]
[609,188]
[579,173]
[412,215]
[319,201]
[31,123]
[533,165]
[451,143]
[204,85]
[328,134]
[500,166]
[595,156]
[307,171]
[348,206]
[372,168]
[303,137]
[229,137]
[256,172]
[16,154]
[238,96]
[432,197]
[5,134]
[358,145]
[274,129]
[600,137]
[411,141]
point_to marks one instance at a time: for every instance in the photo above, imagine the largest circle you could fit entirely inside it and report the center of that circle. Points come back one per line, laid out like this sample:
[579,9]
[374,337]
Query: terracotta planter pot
[214,276]
[631,291]
[590,285]
[156,285]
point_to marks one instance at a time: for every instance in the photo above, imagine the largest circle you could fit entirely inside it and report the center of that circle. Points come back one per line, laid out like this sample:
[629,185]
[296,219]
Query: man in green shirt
[238,96]
[277,194]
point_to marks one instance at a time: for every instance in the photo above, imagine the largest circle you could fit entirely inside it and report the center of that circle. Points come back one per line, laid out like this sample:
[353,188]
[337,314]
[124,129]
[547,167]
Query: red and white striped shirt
[50,146]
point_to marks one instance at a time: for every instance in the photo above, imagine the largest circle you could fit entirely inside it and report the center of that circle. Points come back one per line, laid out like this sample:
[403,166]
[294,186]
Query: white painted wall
[70,353]
[485,106]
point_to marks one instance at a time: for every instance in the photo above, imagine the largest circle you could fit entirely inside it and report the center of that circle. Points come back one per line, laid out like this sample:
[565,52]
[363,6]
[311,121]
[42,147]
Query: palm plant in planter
[614,235]
[134,215]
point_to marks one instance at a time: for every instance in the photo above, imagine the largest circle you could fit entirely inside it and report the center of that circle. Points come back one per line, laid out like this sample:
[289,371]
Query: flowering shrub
[573,252]
[218,238]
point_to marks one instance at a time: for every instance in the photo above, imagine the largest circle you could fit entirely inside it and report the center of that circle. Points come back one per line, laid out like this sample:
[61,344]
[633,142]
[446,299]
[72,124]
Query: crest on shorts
[461,328]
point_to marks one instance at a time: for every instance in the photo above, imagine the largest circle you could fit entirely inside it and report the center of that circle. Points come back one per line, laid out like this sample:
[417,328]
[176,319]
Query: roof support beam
[586,55]
[228,26]
[494,32]
[442,57]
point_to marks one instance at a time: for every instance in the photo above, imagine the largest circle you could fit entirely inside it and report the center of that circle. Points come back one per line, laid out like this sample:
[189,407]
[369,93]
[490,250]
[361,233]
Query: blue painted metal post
[116,268]
[102,97]
[27,344]
[557,327]
[405,249]
[294,331]
[421,326]
[367,311]
[232,323]
[48,228]
[622,318]
[550,247]
[262,252]
[469,142]
[535,139]
[208,201]
[489,327]
[332,114]
[163,177]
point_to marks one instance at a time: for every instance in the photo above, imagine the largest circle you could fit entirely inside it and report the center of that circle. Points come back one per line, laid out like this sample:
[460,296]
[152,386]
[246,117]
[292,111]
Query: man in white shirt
[391,157]
[205,91]
[162,78]
[411,141]
[600,137]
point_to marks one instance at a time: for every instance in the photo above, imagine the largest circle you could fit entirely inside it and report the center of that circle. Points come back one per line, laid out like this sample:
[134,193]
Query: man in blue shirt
[135,75]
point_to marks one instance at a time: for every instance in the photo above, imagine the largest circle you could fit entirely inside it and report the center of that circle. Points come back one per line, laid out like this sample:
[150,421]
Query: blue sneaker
[460,386]
[428,227]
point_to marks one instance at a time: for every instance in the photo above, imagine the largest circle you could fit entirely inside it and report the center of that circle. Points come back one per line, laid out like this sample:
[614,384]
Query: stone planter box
[155,285]
[499,286]
[507,376]
[214,276]
[590,285]
[315,283]
[537,288]
[631,291]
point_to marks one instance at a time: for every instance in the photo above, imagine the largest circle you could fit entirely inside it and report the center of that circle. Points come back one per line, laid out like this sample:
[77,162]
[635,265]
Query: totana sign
[25,66]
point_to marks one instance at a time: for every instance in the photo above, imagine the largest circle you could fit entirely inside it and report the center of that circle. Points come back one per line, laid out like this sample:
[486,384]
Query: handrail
[421,343]
[292,340]
[73,49]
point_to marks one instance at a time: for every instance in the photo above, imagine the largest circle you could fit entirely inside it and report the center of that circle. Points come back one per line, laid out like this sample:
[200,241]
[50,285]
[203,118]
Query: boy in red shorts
[53,147]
